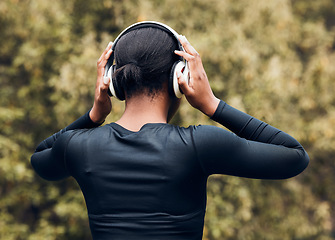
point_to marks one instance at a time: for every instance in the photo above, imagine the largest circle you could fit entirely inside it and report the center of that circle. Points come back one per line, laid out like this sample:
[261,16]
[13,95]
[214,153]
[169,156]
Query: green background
[273,59]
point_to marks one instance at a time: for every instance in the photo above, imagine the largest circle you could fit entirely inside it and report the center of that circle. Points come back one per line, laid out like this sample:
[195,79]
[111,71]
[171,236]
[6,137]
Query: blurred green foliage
[273,59]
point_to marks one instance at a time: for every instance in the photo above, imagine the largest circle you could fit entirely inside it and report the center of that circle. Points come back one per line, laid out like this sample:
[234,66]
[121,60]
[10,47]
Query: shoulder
[209,130]
[81,134]
[207,137]
[205,134]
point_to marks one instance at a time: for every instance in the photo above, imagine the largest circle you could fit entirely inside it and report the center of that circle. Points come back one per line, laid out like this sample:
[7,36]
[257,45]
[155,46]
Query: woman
[143,178]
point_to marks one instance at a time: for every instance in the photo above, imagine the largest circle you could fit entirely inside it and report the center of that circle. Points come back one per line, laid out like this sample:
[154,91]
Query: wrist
[211,106]
[96,117]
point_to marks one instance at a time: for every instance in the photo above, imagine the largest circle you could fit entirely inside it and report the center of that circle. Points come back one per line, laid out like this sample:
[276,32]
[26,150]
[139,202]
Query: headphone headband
[139,25]
[145,24]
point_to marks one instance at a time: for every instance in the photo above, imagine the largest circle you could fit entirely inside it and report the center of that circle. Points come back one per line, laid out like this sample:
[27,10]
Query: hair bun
[129,74]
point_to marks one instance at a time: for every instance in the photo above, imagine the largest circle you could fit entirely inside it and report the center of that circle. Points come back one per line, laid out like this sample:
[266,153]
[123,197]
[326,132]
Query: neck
[142,109]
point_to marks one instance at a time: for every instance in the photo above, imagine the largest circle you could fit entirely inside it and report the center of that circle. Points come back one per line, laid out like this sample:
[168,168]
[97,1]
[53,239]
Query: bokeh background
[274,59]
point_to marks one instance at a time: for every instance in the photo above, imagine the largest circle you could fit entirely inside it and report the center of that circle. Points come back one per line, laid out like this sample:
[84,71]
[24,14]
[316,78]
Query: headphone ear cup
[114,86]
[170,83]
[110,72]
[174,89]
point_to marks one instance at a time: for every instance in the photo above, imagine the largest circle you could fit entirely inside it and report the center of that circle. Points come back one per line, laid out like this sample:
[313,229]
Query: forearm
[256,150]
[251,128]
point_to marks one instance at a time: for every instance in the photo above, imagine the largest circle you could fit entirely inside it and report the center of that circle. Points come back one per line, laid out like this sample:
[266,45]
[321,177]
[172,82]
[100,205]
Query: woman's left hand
[197,90]
[102,102]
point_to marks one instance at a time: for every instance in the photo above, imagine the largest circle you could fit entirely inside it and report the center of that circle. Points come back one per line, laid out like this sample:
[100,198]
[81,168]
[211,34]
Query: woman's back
[148,182]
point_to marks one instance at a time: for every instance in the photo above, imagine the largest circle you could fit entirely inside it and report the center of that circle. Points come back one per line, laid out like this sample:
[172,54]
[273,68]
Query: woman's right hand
[197,91]
[102,103]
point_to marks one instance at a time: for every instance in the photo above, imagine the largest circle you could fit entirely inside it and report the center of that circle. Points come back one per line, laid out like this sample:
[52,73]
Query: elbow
[299,164]
[45,171]
[304,162]
[36,166]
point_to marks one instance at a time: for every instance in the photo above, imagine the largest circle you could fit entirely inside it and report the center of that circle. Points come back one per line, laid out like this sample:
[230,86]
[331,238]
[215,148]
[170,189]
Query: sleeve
[48,159]
[253,149]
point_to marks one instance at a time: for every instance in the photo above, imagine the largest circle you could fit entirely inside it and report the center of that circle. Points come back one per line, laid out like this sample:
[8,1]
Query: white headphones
[180,65]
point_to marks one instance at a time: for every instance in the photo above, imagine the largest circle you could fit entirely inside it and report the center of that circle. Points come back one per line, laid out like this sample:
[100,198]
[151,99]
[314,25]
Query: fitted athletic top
[151,184]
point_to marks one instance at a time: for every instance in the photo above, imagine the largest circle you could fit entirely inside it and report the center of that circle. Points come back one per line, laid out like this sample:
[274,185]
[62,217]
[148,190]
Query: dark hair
[144,58]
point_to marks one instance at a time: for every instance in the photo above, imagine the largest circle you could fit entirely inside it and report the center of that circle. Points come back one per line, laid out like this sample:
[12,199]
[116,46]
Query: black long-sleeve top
[151,184]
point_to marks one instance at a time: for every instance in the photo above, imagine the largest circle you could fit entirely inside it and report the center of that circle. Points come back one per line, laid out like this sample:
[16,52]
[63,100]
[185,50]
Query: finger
[103,59]
[108,54]
[191,63]
[106,81]
[188,57]
[105,84]
[109,46]
[182,83]
[187,46]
